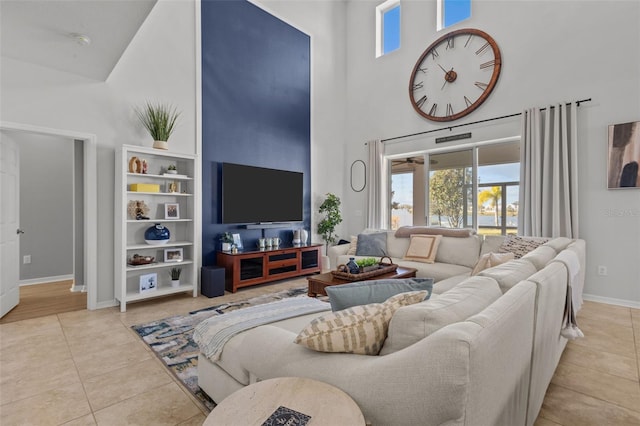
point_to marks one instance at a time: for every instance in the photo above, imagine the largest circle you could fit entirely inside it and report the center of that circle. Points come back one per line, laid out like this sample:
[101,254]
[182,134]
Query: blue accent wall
[255,107]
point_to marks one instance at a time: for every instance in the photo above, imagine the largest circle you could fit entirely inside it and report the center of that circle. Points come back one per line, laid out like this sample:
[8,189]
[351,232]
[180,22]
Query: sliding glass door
[476,187]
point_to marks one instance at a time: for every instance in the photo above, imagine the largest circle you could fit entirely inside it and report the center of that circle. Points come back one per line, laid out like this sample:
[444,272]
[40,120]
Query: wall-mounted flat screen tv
[260,195]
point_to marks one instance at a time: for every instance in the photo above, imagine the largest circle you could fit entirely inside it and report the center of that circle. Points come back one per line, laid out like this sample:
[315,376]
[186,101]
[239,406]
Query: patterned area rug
[171,338]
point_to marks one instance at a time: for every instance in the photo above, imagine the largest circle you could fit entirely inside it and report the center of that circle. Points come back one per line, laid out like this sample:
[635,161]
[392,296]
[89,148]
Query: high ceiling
[49,32]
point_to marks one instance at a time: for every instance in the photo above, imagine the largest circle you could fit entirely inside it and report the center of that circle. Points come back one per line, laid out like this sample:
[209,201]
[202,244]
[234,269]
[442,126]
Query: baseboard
[107,304]
[77,288]
[611,301]
[44,280]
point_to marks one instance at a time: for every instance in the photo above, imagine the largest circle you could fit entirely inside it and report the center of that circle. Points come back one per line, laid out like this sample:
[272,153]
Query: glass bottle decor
[353,266]
[157,234]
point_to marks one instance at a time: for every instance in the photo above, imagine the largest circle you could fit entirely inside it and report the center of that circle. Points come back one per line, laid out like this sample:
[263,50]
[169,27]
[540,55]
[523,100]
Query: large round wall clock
[455,75]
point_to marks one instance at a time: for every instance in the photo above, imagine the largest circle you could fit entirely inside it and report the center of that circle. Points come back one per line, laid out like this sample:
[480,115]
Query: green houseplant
[175,276]
[330,208]
[159,120]
[226,239]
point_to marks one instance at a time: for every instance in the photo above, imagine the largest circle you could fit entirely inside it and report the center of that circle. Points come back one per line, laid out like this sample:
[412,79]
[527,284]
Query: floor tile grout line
[75,365]
[595,397]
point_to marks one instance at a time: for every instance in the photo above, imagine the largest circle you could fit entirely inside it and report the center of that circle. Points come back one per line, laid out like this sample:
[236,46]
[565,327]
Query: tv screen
[258,195]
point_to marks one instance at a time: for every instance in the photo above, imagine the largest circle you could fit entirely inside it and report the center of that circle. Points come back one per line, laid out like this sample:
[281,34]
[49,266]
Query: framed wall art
[624,156]
[148,282]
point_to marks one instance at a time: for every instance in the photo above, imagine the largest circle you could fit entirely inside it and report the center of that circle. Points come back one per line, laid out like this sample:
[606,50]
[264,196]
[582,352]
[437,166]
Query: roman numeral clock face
[455,75]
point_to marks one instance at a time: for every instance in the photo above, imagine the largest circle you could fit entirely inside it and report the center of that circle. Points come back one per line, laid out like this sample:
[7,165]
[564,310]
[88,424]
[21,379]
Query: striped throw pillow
[359,329]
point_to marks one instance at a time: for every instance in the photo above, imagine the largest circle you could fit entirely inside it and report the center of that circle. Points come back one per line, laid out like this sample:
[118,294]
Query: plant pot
[175,283]
[226,246]
[172,172]
[160,145]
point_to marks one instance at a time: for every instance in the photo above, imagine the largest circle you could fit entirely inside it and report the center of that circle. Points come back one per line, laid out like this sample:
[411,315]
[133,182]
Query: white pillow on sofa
[411,324]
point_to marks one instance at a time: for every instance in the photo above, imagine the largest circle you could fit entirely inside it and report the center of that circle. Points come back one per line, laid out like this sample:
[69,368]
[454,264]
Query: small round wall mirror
[358,175]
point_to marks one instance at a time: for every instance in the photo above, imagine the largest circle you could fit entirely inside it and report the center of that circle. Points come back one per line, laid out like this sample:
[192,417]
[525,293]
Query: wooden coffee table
[318,283]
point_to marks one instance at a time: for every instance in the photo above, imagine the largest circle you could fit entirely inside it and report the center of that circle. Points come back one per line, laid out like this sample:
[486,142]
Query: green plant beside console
[330,207]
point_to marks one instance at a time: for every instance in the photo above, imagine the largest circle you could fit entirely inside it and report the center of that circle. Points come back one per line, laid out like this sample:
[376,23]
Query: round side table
[256,403]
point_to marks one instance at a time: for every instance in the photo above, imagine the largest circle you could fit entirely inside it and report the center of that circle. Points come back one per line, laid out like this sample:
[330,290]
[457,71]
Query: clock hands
[449,76]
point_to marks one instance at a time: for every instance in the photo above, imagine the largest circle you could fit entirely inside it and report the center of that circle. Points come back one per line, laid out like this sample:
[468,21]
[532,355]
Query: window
[450,12]
[387,27]
[475,187]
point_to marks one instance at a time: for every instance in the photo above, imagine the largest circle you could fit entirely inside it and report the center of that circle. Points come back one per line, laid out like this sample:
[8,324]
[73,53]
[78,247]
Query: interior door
[9,226]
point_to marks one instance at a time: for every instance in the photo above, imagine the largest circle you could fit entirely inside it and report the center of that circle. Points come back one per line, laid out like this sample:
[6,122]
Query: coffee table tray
[384,268]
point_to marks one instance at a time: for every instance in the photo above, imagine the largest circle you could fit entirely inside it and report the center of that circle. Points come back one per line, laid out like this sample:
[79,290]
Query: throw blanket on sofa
[212,333]
[570,328]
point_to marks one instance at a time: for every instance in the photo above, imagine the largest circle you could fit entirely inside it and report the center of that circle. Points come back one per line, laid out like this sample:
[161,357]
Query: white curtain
[377,191]
[549,172]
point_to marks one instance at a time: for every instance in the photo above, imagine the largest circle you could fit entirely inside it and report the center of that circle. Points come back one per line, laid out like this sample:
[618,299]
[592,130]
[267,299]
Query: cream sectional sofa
[482,351]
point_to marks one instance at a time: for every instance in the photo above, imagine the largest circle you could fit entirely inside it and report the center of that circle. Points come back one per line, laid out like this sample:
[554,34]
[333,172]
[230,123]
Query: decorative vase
[353,266]
[160,145]
[304,235]
[226,246]
[175,283]
[156,235]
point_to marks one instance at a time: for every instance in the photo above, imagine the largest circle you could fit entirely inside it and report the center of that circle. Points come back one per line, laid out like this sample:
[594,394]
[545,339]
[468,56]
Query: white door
[9,226]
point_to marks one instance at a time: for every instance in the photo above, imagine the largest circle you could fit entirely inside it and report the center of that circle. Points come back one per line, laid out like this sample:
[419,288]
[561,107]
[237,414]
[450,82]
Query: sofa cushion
[459,251]
[374,291]
[540,256]
[359,329]
[353,245]
[490,260]
[559,243]
[520,245]
[511,273]
[411,324]
[491,243]
[408,231]
[449,283]
[372,244]
[423,248]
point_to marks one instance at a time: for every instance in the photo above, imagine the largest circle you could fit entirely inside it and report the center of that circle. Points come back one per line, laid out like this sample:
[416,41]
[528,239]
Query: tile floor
[89,367]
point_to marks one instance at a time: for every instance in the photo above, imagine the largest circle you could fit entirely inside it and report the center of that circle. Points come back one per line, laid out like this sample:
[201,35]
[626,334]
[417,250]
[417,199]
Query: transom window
[450,12]
[387,27]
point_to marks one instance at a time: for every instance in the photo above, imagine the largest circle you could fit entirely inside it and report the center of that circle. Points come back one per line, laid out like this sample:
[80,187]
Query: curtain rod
[473,122]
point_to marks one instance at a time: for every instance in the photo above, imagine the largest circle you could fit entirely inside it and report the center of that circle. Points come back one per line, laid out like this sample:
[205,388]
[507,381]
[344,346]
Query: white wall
[158,65]
[552,52]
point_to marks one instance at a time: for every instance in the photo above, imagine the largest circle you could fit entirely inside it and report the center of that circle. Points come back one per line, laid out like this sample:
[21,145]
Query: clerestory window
[387,27]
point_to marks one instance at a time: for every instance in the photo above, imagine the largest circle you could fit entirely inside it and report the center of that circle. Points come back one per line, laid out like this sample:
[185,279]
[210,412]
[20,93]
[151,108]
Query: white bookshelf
[129,231]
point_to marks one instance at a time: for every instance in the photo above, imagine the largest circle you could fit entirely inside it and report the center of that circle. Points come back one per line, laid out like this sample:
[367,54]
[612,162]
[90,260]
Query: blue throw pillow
[375,291]
[372,244]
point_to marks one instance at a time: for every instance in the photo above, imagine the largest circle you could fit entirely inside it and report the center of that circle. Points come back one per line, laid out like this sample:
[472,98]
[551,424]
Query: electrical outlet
[26,259]
[602,270]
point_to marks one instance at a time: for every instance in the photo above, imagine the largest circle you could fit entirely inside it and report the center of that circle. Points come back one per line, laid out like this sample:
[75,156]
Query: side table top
[254,404]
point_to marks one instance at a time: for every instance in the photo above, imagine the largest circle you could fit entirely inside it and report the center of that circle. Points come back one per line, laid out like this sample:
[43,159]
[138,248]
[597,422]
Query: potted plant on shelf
[172,169]
[159,120]
[226,240]
[330,207]
[175,276]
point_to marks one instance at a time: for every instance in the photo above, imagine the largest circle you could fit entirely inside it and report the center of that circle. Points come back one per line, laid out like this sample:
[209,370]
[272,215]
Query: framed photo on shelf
[237,241]
[148,282]
[173,255]
[172,211]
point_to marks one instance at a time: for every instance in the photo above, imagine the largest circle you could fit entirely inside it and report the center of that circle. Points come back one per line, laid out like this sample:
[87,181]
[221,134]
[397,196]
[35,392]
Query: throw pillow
[353,245]
[423,248]
[372,244]
[489,260]
[520,246]
[374,291]
[359,330]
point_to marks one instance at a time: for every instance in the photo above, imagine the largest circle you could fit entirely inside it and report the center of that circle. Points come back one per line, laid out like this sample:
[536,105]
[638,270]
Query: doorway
[87,257]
